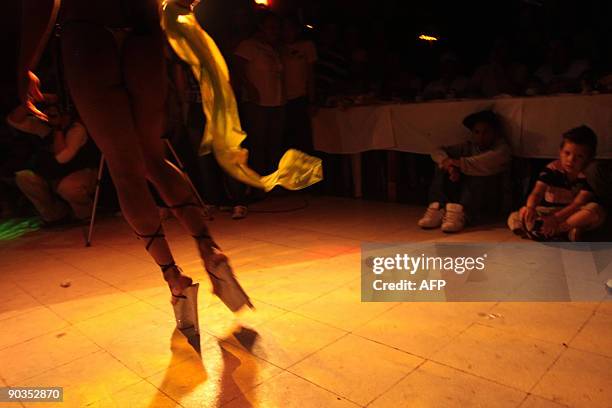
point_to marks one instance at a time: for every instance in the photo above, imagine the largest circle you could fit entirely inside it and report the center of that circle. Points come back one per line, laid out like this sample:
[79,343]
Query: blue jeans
[470,191]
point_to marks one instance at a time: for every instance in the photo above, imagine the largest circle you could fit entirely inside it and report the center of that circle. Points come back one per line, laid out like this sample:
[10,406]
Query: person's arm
[583,197]
[528,212]
[488,163]
[67,146]
[444,156]
[241,81]
[38,18]
[555,223]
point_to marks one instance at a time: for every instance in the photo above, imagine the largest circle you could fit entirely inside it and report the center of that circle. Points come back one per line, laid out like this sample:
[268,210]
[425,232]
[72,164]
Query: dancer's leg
[148,105]
[93,72]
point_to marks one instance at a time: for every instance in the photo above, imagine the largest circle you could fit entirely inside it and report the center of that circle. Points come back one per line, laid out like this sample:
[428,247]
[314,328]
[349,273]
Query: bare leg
[148,105]
[586,218]
[140,53]
[95,79]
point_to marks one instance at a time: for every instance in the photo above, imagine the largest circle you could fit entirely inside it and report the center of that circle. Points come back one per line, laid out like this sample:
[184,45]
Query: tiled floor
[97,322]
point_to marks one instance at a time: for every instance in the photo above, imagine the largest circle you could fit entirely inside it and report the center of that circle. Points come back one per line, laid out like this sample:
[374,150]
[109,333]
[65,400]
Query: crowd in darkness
[284,66]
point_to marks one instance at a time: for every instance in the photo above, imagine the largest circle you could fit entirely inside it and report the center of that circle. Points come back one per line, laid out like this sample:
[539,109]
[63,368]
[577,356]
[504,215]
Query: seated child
[561,204]
[466,174]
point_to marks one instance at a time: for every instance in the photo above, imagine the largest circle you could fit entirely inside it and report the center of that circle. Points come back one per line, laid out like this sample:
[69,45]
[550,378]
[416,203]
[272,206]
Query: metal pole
[95,203]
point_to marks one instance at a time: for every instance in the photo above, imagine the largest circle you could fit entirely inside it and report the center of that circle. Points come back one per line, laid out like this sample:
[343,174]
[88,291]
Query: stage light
[309,26]
[263,3]
[429,38]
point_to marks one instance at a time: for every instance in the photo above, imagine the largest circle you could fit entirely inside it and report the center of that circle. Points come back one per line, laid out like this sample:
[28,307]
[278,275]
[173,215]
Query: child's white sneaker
[433,216]
[454,218]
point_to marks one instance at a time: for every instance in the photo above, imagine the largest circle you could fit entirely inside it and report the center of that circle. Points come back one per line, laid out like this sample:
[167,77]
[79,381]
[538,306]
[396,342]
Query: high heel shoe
[225,284]
[186,311]
[184,292]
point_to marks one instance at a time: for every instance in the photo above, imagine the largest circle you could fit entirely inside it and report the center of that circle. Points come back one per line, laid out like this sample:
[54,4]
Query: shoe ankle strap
[157,234]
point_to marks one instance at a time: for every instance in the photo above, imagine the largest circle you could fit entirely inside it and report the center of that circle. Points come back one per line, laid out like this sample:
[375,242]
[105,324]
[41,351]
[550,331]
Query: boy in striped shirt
[562,202]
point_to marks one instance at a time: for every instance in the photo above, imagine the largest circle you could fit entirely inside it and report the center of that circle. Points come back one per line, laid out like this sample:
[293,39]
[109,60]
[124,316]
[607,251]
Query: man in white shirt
[64,175]
[298,57]
[258,76]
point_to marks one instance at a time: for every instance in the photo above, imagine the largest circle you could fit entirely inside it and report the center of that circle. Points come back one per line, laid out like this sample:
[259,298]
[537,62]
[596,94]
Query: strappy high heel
[165,268]
[224,282]
[184,301]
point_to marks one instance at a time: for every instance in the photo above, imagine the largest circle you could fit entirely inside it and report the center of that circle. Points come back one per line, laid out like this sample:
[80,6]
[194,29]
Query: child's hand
[454,174]
[550,226]
[528,215]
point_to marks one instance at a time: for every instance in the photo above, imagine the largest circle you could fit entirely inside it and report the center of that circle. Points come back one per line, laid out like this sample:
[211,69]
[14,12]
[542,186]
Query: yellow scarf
[223,134]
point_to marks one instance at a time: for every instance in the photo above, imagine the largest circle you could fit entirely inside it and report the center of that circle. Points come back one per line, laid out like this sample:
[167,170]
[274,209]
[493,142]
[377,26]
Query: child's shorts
[516,224]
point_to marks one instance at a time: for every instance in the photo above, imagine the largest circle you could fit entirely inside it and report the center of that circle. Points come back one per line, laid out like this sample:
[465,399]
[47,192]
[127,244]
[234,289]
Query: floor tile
[288,391]
[533,401]
[16,301]
[343,308]
[435,385]
[422,328]
[26,326]
[482,351]
[93,304]
[539,320]
[356,368]
[139,336]
[89,379]
[596,335]
[287,339]
[139,395]
[221,374]
[30,358]
[578,379]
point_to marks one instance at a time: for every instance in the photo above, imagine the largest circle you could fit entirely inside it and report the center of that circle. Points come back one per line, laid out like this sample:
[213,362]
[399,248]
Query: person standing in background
[259,74]
[298,57]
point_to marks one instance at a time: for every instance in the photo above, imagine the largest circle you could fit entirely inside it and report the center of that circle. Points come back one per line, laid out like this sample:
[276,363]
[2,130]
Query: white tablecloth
[533,125]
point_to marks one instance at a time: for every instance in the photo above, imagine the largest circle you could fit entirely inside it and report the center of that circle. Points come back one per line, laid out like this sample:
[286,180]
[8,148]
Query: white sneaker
[433,216]
[239,212]
[454,218]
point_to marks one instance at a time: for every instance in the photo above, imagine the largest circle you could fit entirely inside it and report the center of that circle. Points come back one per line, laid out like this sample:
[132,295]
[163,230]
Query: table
[533,125]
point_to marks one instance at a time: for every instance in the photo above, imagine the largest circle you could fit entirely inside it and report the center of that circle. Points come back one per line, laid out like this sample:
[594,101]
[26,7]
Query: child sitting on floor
[466,174]
[561,204]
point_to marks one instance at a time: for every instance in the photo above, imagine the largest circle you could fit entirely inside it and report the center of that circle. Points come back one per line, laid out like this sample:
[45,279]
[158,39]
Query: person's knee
[514,221]
[72,188]
[26,180]
[595,214]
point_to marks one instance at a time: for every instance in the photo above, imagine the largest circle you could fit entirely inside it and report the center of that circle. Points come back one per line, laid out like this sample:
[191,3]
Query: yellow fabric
[223,134]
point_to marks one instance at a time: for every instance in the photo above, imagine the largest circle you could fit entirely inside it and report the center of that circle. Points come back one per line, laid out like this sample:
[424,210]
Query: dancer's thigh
[93,73]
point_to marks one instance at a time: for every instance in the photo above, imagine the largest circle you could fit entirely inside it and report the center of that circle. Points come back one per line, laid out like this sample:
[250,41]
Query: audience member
[450,84]
[331,68]
[562,204]
[215,187]
[466,174]
[561,73]
[400,80]
[358,60]
[298,58]
[501,75]
[258,71]
[61,172]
